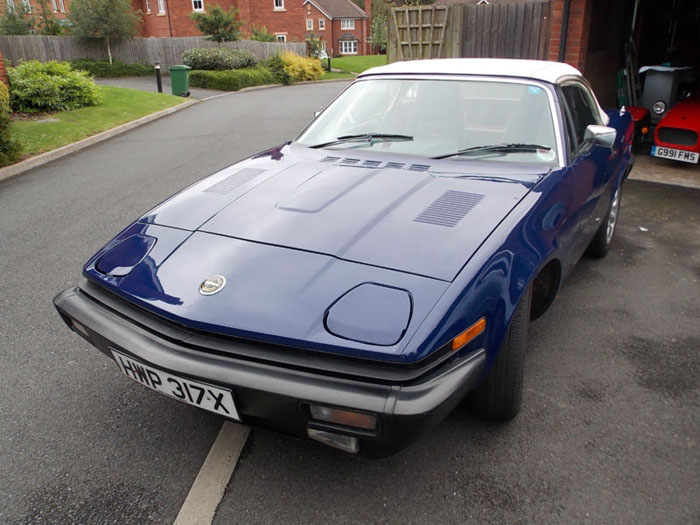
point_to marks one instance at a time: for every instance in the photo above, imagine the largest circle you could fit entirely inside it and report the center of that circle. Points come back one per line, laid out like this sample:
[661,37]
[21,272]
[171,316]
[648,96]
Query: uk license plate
[202,395]
[675,154]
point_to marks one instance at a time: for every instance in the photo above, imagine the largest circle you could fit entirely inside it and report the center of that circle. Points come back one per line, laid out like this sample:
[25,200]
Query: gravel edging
[44,158]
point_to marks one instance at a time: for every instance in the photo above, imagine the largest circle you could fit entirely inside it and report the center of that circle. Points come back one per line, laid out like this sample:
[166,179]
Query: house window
[197,5]
[323,45]
[161,7]
[148,6]
[309,24]
[347,23]
[62,6]
[348,47]
[279,5]
[27,6]
[54,6]
[321,24]
[281,38]
[10,4]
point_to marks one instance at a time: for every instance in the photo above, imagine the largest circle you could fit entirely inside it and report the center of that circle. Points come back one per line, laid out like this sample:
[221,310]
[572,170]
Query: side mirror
[600,136]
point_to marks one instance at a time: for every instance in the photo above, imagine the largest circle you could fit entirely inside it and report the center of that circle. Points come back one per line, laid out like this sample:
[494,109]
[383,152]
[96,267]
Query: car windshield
[457,119]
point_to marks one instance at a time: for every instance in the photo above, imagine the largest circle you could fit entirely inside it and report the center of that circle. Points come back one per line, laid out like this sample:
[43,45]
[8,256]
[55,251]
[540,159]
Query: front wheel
[499,396]
[600,245]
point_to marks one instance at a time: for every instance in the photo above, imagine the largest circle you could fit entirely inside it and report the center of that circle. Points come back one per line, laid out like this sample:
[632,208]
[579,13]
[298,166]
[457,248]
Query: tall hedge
[218,59]
[10,148]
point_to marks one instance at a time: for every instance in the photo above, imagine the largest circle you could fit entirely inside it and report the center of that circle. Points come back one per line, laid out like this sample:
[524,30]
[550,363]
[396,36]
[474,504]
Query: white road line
[208,488]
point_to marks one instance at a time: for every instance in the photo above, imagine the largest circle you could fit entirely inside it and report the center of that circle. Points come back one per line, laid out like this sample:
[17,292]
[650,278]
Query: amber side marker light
[469,334]
[645,130]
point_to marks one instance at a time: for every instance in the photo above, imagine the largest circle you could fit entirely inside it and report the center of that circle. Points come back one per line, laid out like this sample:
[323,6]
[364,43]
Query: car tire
[600,245]
[499,396]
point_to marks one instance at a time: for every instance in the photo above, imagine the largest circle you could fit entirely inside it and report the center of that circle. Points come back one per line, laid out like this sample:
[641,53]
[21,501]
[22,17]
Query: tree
[261,34]
[106,20]
[47,23]
[378,32]
[16,20]
[220,25]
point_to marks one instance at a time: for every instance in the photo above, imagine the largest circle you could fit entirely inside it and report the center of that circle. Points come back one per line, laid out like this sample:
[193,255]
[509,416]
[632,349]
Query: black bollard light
[158,79]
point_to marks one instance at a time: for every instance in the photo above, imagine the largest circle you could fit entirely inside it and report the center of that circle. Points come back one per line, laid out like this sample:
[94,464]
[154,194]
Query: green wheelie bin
[180,80]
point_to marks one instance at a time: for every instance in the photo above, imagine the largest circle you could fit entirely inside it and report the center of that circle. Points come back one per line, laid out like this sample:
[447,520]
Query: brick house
[340,24]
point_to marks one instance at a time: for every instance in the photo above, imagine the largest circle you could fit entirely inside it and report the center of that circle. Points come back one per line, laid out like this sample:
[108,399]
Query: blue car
[356,284]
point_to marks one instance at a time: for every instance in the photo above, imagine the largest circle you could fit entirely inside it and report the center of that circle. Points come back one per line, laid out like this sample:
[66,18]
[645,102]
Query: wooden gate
[505,29]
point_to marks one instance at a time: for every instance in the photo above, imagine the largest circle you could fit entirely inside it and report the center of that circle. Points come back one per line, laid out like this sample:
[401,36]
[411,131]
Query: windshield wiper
[364,137]
[496,148]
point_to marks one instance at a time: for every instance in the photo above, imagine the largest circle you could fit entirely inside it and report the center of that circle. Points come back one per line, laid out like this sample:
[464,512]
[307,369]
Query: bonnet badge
[212,285]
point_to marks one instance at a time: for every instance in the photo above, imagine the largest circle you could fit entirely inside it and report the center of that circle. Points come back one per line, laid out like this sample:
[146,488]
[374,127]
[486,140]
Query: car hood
[422,219]
[685,115]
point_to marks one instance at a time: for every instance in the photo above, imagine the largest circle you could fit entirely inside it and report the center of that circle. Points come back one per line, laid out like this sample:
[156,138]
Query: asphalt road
[608,432]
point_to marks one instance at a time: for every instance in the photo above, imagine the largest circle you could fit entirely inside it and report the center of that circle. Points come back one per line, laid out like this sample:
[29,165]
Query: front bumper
[276,395]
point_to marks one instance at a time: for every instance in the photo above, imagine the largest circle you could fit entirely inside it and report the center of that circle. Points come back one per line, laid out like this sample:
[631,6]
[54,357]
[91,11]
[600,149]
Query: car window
[439,118]
[582,110]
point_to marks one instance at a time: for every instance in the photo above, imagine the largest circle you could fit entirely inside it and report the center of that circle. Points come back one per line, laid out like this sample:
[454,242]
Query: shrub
[276,65]
[261,34]
[232,80]
[10,149]
[102,68]
[50,86]
[215,59]
[299,68]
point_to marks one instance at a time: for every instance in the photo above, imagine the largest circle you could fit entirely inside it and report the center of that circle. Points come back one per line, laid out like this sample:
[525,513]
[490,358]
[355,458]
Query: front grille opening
[682,137]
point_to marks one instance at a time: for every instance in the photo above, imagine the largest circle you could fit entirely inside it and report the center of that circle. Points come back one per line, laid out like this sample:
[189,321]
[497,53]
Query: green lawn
[357,64]
[118,106]
[331,75]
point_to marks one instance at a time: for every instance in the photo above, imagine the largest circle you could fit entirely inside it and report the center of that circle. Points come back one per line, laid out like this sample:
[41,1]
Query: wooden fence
[507,29]
[167,51]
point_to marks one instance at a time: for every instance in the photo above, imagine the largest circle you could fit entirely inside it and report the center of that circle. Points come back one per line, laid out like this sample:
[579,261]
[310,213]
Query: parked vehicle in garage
[676,135]
[354,285]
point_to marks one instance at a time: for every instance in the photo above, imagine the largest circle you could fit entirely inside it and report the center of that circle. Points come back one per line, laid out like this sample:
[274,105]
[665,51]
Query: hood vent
[233,181]
[376,164]
[449,208]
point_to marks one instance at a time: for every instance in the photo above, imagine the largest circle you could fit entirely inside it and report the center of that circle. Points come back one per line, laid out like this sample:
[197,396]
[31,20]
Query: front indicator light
[645,130]
[469,334]
[346,418]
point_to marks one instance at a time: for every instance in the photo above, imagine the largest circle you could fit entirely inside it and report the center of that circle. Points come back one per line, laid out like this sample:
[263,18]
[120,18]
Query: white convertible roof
[537,69]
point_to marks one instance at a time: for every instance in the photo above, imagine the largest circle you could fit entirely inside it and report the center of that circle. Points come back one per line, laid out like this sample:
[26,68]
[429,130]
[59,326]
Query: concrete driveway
[608,432]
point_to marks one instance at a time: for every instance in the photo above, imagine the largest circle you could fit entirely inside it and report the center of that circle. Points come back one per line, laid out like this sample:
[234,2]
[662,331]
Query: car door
[587,175]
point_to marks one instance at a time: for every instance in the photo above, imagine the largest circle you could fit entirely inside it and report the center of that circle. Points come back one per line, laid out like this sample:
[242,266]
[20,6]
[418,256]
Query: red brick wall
[578,32]
[291,21]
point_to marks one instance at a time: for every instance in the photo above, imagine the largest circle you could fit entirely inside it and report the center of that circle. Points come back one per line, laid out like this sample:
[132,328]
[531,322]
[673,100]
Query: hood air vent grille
[233,181]
[376,164]
[449,208]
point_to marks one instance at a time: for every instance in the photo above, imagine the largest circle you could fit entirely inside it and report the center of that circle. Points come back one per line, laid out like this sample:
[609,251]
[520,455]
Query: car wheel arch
[545,286]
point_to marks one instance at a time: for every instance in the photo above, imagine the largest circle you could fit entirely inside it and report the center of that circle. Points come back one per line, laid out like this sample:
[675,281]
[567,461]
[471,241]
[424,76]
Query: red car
[676,134]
